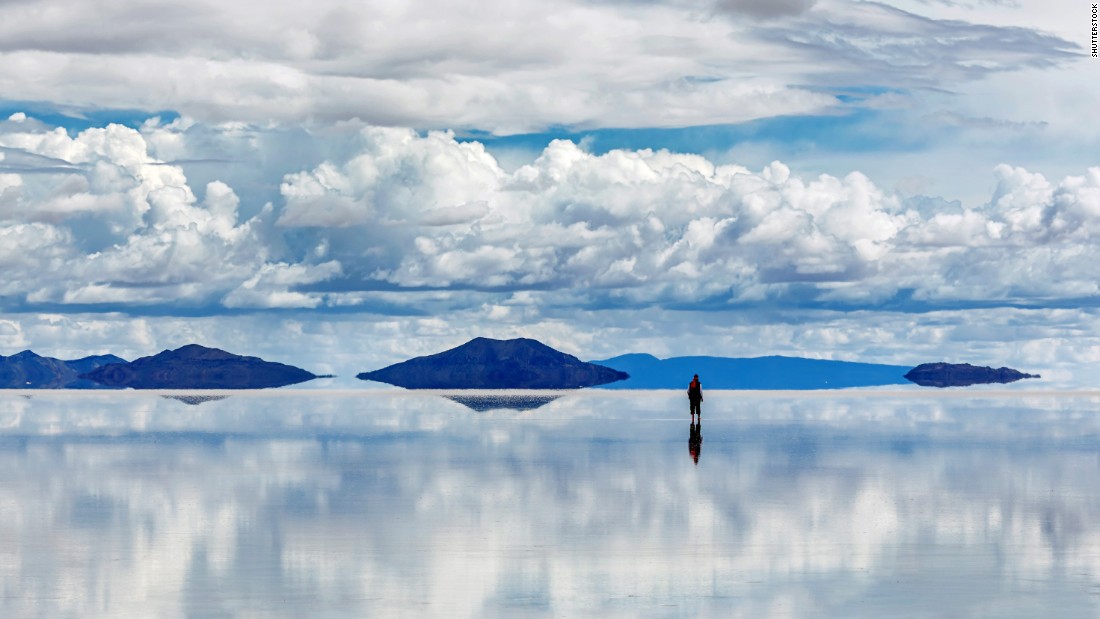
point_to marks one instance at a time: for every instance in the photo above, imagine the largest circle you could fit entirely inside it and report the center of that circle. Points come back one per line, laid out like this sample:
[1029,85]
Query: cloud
[114,226]
[398,174]
[890,46]
[269,288]
[419,66]
[31,248]
[764,8]
[501,67]
[658,227]
[393,209]
[759,9]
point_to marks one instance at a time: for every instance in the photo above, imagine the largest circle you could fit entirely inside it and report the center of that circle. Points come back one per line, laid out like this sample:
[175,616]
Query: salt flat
[379,503]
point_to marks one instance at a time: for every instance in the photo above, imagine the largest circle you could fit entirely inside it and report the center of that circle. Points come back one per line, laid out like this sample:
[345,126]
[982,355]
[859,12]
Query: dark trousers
[695,407]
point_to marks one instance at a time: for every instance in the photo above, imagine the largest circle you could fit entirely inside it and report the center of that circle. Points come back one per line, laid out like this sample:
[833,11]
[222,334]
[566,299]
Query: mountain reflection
[195,400]
[315,506]
[483,403]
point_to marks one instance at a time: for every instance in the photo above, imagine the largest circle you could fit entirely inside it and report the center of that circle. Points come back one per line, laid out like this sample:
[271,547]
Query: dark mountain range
[198,367]
[649,372]
[962,375]
[28,370]
[483,363]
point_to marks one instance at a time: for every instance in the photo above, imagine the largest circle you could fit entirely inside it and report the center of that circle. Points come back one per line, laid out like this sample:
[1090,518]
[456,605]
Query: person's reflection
[695,440]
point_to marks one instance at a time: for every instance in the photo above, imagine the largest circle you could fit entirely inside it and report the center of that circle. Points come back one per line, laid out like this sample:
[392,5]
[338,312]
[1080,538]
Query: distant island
[28,370]
[962,375]
[484,363]
[767,373]
[198,367]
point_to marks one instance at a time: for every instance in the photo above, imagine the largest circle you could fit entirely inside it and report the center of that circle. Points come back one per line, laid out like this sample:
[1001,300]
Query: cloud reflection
[398,504]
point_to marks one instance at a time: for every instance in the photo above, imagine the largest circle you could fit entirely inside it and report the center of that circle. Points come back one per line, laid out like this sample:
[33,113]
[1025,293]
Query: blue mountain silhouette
[29,370]
[484,363]
[198,367]
[775,372]
[962,375]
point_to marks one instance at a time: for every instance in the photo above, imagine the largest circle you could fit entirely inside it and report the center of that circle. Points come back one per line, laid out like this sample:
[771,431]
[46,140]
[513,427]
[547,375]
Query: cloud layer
[501,67]
[99,219]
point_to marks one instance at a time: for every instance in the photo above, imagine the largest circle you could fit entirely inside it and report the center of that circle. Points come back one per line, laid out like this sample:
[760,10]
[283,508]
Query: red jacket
[695,390]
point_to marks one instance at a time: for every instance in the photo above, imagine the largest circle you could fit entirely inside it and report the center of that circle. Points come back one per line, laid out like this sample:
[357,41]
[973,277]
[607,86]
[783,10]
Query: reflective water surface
[610,504]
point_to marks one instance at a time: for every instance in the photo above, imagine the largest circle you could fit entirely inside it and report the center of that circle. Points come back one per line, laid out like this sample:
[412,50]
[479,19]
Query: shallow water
[398,504]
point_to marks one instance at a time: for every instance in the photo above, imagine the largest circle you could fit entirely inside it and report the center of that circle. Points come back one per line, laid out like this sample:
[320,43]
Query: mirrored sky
[397,503]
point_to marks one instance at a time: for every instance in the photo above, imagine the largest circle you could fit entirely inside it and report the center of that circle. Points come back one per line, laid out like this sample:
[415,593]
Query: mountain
[483,363]
[962,375]
[198,367]
[649,372]
[28,370]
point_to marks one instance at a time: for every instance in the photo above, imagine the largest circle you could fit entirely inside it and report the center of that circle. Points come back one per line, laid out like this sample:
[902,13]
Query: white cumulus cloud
[434,239]
[114,225]
[658,227]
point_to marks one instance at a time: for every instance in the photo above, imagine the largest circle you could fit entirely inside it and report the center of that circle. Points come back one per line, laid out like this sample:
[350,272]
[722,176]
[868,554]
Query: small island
[29,370]
[484,363]
[962,375]
[198,367]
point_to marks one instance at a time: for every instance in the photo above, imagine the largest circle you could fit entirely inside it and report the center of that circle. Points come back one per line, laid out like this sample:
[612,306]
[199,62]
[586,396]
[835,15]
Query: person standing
[695,397]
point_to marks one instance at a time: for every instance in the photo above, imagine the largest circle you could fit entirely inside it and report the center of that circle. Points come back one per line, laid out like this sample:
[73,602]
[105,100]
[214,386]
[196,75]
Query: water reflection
[411,504]
[488,402]
[695,440]
[195,400]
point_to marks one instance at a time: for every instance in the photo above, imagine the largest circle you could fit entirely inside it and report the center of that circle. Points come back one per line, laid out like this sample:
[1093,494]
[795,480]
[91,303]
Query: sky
[344,186]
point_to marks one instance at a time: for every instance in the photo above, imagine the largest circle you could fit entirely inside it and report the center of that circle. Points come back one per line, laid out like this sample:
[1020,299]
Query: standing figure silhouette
[695,439]
[695,397]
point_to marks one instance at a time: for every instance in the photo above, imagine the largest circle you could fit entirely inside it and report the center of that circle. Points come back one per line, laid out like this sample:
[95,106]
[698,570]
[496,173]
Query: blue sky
[344,187]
